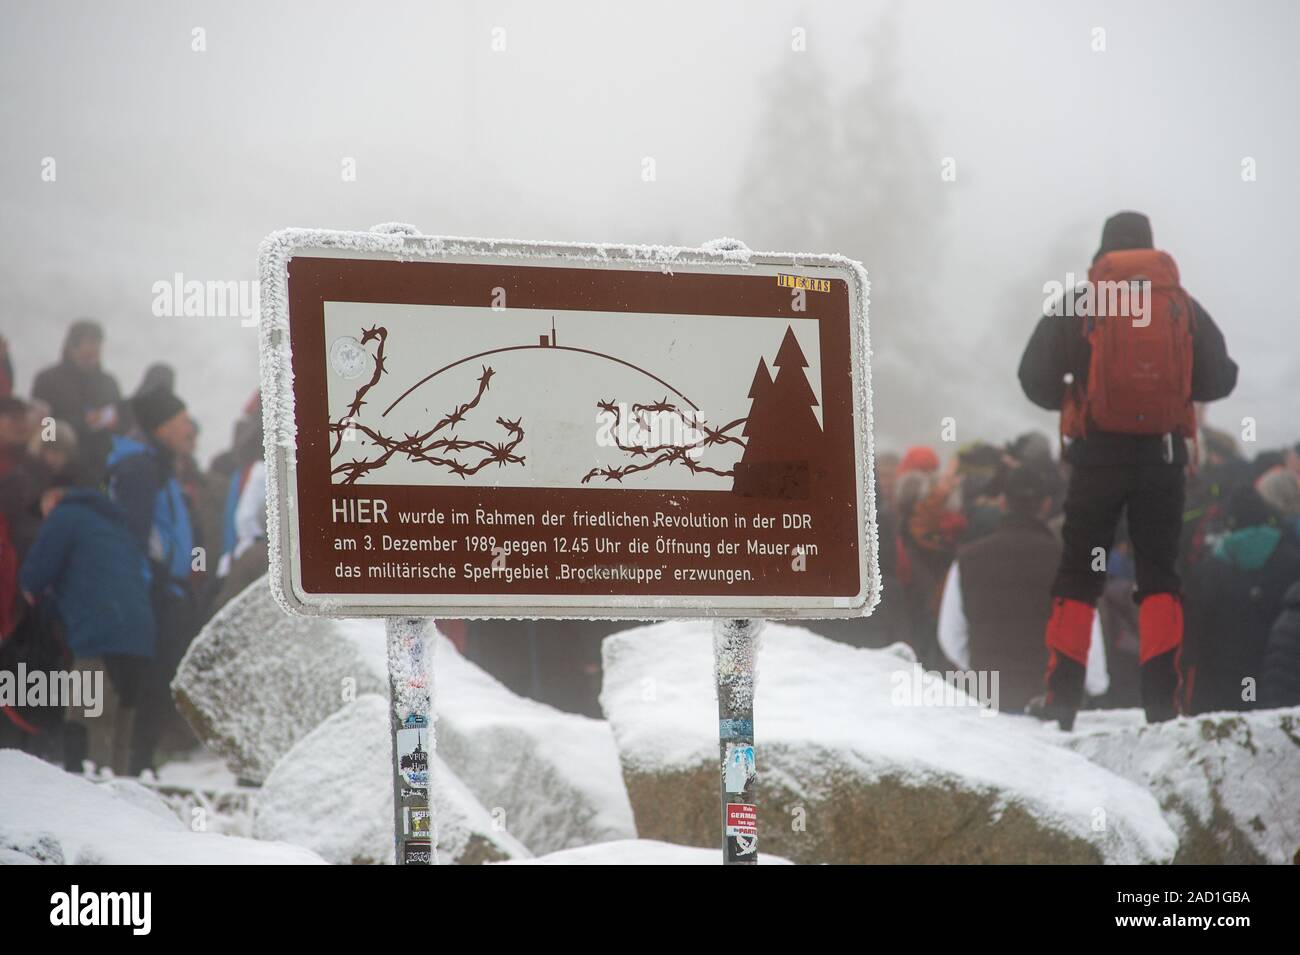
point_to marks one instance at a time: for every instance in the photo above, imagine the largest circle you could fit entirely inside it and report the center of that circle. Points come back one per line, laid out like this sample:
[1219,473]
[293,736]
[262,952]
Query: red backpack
[1140,374]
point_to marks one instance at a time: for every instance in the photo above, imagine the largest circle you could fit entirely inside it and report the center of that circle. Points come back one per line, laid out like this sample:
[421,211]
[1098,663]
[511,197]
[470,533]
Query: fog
[171,160]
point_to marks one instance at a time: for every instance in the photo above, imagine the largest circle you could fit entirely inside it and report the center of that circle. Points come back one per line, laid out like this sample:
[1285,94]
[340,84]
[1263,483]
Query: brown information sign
[469,428]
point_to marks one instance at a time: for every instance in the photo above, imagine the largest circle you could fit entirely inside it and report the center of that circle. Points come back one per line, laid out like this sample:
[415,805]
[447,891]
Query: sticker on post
[741,830]
[741,769]
[416,820]
[417,852]
[736,729]
[412,758]
[742,819]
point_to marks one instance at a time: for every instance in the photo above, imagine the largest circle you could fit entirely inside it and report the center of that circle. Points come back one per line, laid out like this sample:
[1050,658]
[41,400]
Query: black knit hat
[155,407]
[1125,230]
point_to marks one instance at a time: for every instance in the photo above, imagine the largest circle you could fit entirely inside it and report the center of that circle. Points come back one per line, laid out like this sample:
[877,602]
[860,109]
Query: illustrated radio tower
[545,342]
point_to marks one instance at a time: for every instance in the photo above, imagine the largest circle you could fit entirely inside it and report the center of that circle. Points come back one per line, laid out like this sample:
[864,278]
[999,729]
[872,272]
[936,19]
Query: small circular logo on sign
[348,358]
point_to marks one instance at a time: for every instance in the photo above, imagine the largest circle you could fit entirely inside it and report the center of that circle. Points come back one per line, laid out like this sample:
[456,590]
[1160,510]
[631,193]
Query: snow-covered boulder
[552,776]
[333,794]
[638,852]
[50,816]
[1229,783]
[854,766]
[132,792]
[255,679]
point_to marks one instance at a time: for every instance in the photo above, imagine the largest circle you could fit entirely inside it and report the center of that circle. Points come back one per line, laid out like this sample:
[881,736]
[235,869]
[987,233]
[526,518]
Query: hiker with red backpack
[1126,387]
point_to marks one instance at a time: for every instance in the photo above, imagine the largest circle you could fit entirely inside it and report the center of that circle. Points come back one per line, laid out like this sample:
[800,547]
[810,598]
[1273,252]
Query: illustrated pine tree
[759,391]
[783,439]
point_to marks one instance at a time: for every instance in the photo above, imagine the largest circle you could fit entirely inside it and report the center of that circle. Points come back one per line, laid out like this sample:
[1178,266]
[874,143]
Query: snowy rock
[132,792]
[255,679]
[1229,783]
[553,776]
[333,794]
[50,816]
[30,847]
[638,852]
[852,767]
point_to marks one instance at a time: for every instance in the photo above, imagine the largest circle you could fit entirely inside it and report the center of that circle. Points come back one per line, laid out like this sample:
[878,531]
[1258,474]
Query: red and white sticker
[742,819]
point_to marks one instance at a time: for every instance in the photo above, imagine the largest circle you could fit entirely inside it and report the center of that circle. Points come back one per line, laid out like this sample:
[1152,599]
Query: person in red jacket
[1125,384]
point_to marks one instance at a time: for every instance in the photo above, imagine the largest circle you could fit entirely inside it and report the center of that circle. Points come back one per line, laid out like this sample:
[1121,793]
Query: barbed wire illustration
[422,446]
[669,453]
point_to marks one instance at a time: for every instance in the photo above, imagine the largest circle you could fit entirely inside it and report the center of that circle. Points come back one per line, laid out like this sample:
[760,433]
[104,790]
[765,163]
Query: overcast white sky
[173,161]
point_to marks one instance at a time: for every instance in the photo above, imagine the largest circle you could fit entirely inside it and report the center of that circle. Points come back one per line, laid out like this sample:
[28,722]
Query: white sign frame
[403,243]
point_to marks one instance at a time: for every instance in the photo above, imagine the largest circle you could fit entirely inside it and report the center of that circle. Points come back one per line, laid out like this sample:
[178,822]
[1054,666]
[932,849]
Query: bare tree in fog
[792,173]
[855,173]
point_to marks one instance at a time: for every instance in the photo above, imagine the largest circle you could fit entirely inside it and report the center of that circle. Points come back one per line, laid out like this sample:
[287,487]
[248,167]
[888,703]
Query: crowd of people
[115,548]
[1150,563]
[970,550]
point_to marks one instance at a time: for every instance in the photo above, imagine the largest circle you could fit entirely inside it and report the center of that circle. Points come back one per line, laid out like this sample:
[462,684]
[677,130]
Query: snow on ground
[830,723]
[48,815]
[201,769]
[1229,782]
[638,852]
[199,786]
[827,717]
[256,681]
[553,776]
[333,793]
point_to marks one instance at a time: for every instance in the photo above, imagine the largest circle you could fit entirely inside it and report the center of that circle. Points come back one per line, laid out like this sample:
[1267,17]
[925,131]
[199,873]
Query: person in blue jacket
[143,481]
[85,560]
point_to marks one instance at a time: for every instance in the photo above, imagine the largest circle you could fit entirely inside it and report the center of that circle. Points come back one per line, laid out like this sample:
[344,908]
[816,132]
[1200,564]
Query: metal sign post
[735,650]
[415,838]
